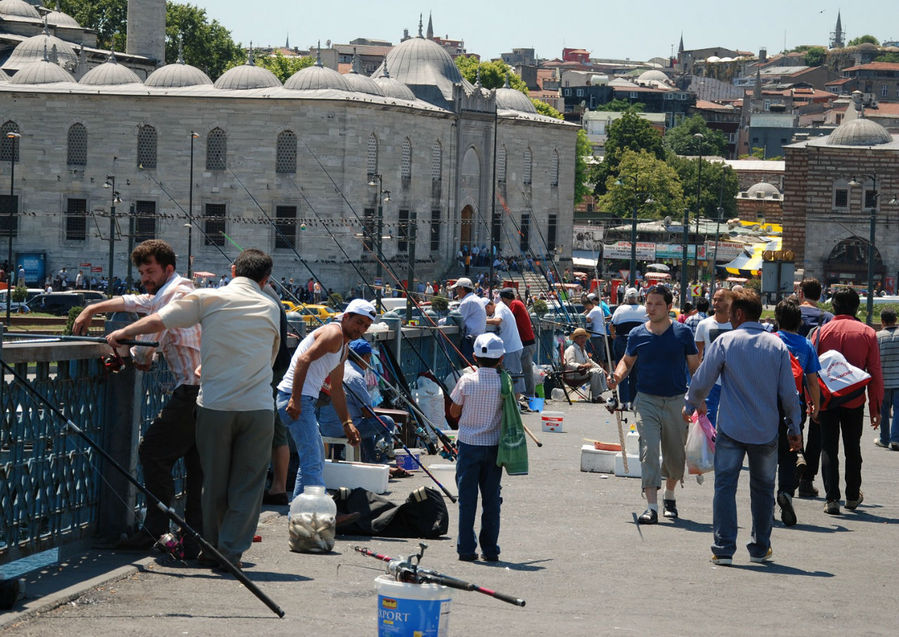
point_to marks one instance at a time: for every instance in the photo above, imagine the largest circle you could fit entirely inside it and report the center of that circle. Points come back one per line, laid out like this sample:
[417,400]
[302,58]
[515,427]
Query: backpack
[839,380]
[798,373]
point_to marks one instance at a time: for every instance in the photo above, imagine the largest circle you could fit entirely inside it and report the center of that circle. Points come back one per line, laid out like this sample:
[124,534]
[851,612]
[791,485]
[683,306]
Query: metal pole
[110,180]
[129,277]
[379,273]
[190,208]
[870,318]
[11,269]
[410,278]
[700,137]
[493,208]
[633,276]
[683,270]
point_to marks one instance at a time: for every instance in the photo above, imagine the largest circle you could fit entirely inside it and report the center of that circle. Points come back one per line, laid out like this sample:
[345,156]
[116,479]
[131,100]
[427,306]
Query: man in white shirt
[707,330]
[579,367]
[474,317]
[596,326]
[501,316]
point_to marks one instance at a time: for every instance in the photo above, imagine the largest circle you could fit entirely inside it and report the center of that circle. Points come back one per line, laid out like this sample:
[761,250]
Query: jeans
[527,368]
[889,427]
[310,447]
[476,469]
[729,455]
[711,403]
[848,422]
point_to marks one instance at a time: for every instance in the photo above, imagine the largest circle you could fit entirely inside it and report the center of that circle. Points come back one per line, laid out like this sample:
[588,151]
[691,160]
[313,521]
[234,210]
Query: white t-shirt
[508,328]
[708,330]
[596,321]
[634,314]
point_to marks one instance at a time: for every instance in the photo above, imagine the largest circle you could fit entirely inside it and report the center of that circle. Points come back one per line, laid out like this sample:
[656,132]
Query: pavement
[570,548]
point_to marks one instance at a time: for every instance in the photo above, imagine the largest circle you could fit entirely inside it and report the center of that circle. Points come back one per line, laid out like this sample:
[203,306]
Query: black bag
[422,515]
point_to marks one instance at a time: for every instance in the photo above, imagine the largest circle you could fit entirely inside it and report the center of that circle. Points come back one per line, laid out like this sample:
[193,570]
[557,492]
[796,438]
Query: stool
[351,453]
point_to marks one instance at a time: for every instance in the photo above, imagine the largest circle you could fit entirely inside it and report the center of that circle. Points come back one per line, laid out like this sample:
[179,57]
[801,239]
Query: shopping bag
[840,381]
[700,445]
[513,450]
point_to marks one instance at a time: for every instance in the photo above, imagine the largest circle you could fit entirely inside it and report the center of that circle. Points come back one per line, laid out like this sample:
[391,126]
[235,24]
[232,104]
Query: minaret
[836,38]
[146,29]
[430,32]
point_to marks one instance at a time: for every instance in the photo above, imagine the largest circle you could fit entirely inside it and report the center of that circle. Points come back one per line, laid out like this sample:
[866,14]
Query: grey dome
[426,68]
[60,19]
[32,50]
[859,132]
[361,83]
[514,100]
[245,77]
[42,72]
[18,9]
[653,76]
[316,77]
[110,73]
[177,75]
[391,87]
[763,190]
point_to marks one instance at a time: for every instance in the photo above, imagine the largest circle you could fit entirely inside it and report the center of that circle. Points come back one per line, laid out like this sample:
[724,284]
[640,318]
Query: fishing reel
[113,363]
[446,454]
[406,569]
[426,440]
[171,544]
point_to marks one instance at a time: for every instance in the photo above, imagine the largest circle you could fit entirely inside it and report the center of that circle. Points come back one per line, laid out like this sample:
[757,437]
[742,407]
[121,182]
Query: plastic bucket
[412,610]
[552,420]
[446,475]
[535,404]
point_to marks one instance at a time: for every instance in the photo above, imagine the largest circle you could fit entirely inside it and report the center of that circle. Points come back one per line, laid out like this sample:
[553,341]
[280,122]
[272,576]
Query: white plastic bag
[700,446]
[430,400]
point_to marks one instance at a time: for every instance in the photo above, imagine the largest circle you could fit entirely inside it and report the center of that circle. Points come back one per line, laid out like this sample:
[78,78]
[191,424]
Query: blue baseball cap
[361,347]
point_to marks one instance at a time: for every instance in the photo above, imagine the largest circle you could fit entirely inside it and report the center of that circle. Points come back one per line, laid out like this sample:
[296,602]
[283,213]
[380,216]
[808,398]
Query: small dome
[18,9]
[247,76]
[859,132]
[32,50]
[361,83]
[391,87]
[514,100]
[316,77]
[177,75]
[60,19]
[763,190]
[713,59]
[42,72]
[867,46]
[655,76]
[110,73]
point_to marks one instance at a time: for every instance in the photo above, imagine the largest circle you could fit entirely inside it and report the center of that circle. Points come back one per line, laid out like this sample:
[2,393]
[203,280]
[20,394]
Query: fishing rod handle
[139,343]
[515,601]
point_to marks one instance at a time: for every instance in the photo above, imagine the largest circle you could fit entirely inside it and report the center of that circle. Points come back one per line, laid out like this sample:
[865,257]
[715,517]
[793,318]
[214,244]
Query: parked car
[59,303]
[314,314]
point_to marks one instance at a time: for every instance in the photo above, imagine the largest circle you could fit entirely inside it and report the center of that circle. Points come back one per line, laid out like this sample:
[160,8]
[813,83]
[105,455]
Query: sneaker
[767,557]
[852,505]
[721,560]
[801,463]
[807,489]
[207,561]
[880,443]
[670,509]
[649,517]
[832,508]
[787,514]
[489,558]
[894,446]
[468,557]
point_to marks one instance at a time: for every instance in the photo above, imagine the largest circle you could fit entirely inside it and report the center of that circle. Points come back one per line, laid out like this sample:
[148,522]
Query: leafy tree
[889,56]
[642,176]
[583,150]
[757,152]
[864,39]
[107,17]
[207,45]
[628,132]
[815,56]
[681,141]
[493,73]
[283,67]
[545,109]
[619,104]
[719,184]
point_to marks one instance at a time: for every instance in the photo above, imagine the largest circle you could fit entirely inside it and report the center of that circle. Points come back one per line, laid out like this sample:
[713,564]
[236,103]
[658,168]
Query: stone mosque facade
[284,168]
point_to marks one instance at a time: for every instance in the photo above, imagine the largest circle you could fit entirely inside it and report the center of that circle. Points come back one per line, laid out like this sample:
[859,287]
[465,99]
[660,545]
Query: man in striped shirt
[172,435]
[888,341]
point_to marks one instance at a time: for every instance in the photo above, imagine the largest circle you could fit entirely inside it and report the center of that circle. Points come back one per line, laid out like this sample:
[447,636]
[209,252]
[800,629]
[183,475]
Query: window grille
[436,162]
[77,145]
[435,231]
[406,160]
[76,219]
[214,224]
[9,146]
[501,165]
[372,155]
[286,160]
[216,149]
[528,166]
[286,226]
[146,147]
[554,176]
[144,221]
[525,243]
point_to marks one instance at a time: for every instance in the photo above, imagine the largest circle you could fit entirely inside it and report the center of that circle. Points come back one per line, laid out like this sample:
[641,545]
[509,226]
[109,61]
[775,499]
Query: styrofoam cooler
[632,443]
[552,421]
[446,475]
[598,460]
[633,466]
[372,477]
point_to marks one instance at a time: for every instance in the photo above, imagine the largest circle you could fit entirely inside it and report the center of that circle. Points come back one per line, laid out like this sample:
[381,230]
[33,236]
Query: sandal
[399,472]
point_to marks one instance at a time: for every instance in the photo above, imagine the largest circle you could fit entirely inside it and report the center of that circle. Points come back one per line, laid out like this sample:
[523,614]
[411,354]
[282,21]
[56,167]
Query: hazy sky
[622,29]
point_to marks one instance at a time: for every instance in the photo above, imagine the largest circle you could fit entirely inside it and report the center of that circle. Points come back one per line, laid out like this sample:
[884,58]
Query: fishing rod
[613,405]
[208,548]
[49,338]
[409,570]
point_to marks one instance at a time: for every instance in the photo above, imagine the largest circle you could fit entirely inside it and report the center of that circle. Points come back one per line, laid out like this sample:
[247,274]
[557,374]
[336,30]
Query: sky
[623,29]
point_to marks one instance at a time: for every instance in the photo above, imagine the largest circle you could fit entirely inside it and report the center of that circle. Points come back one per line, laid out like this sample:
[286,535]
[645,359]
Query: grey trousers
[661,428]
[527,368]
[235,448]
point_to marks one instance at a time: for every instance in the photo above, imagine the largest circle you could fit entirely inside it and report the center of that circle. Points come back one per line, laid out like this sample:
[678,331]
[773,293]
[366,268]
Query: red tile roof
[838,82]
[875,66]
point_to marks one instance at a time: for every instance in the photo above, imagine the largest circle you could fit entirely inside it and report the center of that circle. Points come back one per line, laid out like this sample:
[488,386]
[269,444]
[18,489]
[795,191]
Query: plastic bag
[429,397]
[513,449]
[700,445]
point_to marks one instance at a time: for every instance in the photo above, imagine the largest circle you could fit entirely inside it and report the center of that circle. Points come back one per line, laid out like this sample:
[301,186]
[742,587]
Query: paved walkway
[571,549]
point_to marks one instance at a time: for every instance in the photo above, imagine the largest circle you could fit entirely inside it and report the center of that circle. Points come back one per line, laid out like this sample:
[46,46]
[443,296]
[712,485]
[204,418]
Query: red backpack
[798,373]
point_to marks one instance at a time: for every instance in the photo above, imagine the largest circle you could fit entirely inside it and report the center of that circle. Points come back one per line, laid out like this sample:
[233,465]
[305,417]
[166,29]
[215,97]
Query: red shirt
[523,321]
[858,343]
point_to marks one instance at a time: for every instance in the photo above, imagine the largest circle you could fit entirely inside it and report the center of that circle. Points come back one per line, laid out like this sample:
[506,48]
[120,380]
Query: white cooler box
[446,474]
[372,477]
[597,460]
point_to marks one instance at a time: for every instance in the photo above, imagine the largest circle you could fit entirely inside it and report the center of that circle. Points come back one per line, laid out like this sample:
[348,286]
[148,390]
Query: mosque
[108,149]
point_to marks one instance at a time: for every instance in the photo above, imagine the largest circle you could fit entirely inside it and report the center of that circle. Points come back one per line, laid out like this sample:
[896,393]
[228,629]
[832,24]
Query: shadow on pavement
[778,569]
[515,566]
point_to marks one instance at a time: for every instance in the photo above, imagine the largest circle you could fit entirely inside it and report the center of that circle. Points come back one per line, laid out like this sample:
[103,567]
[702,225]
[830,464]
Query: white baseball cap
[489,345]
[631,293]
[361,307]
[464,282]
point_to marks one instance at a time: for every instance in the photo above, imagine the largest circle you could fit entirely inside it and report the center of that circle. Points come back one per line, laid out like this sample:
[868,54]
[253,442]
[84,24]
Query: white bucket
[552,420]
[412,610]
[446,475]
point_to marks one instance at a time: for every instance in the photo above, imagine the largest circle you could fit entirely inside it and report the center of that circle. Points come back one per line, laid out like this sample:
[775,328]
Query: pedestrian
[858,343]
[626,317]
[812,315]
[660,348]
[474,317]
[477,403]
[507,329]
[756,380]
[172,434]
[276,494]
[580,368]
[320,356]
[707,330]
[888,342]
[234,404]
[596,326]
[528,339]
[702,312]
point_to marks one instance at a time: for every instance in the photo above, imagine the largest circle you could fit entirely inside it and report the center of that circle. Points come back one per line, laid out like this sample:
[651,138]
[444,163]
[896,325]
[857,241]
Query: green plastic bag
[513,449]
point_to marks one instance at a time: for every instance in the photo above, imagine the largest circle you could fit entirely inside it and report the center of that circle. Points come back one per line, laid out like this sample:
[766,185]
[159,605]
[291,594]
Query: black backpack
[422,515]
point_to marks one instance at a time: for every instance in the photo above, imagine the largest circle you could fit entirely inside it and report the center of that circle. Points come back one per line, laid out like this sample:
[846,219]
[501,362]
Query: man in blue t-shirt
[663,347]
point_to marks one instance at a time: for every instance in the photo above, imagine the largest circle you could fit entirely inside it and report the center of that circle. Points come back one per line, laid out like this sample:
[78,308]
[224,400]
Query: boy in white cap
[478,406]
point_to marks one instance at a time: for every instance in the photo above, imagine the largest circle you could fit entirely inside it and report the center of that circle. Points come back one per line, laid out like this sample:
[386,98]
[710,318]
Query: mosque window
[216,149]
[214,224]
[76,219]
[146,147]
[501,165]
[525,233]
[436,162]
[554,175]
[9,149]
[286,160]
[286,226]
[368,229]
[841,195]
[77,153]
[372,155]
[551,232]
[144,220]
[406,162]
[528,167]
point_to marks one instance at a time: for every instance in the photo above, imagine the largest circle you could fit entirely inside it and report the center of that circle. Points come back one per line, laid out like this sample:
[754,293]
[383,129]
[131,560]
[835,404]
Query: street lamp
[190,206]
[699,137]
[383,197]
[873,225]
[114,199]
[720,212]
[13,138]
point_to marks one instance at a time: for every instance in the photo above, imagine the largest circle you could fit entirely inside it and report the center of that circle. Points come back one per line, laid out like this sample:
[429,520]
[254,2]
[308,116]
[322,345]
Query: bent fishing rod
[50,338]
[208,548]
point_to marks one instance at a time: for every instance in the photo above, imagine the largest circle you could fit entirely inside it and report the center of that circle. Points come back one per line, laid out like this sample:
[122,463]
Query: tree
[582,152]
[628,132]
[545,109]
[643,176]
[619,104]
[493,73]
[681,141]
[107,17]
[283,67]
[890,56]
[815,56]
[719,186]
[864,39]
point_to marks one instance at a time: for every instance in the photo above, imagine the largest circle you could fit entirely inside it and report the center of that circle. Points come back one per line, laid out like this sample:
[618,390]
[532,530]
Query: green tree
[864,39]
[719,185]
[493,73]
[890,56]
[815,56]
[681,141]
[618,105]
[283,67]
[107,17]
[545,109]
[642,176]
[207,45]
[582,152]
[628,132]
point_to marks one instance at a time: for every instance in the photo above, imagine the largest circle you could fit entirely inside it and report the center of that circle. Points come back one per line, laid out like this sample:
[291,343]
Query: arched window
[406,161]
[216,149]
[9,148]
[286,160]
[372,155]
[528,167]
[436,162]
[501,165]
[554,174]
[146,147]
[77,145]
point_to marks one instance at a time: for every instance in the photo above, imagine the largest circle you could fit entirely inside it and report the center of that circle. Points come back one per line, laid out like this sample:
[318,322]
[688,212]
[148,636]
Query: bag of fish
[312,522]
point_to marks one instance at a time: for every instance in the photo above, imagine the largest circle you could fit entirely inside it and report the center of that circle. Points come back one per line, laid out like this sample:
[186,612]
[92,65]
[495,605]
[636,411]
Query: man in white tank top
[320,354]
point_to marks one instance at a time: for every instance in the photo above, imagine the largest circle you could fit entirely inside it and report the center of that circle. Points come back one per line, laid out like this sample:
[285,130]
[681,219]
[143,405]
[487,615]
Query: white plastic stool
[351,453]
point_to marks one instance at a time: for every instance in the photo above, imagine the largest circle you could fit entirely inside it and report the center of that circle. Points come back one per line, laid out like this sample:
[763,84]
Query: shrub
[440,303]
[70,320]
[540,307]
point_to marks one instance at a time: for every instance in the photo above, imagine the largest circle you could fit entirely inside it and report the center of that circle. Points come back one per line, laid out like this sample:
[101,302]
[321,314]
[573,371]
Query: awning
[749,263]
[581,262]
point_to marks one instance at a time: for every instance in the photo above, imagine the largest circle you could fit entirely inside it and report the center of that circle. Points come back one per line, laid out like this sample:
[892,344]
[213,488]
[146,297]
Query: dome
[859,132]
[177,75]
[763,190]
[110,73]
[18,9]
[60,19]
[514,100]
[32,50]
[713,59]
[42,72]
[426,68]
[655,76]
[361,83]
[316,77]
[391,87]
[247,76]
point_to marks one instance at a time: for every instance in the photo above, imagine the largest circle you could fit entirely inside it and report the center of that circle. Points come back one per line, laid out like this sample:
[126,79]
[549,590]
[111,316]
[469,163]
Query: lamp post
[410,239]
[13,138]
[872,227]
[114,199]
[699,137]
[683,270]
[383,197]
[636,198]
[190,207]
[712,286]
